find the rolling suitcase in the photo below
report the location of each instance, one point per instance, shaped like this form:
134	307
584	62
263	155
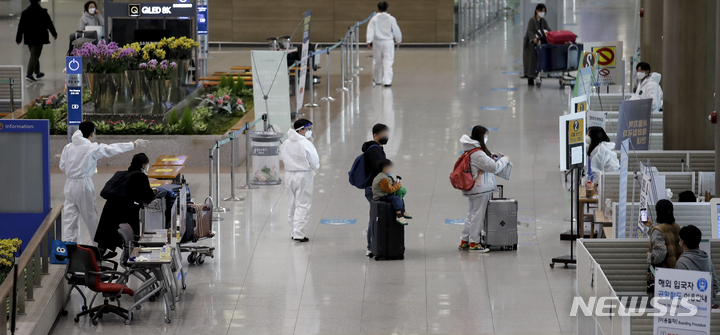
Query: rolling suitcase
501	222
560	37
544	57
388	236
202	220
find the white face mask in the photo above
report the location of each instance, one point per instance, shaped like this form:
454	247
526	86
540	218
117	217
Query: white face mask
641	75
541	14
91	10
486	139
144	170
308	134
587	139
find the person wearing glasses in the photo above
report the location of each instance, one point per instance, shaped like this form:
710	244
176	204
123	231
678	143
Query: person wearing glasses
301	160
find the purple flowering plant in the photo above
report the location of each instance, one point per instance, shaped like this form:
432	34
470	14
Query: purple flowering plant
157	70
104	57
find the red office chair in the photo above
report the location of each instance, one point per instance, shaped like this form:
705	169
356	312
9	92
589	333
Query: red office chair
94	280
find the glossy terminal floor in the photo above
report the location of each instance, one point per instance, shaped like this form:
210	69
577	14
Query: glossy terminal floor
262	283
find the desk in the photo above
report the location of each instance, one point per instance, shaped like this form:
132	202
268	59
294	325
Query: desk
159	269
599	218
171	160
584	202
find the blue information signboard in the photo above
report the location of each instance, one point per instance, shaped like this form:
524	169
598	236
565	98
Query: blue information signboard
74	87
202	24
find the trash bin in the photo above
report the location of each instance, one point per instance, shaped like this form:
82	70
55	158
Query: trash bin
266	160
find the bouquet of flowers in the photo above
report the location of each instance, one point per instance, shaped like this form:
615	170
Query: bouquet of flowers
157	70
177	48
104	57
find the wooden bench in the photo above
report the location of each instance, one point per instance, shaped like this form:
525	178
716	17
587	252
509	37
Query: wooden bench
213	81
237	68
232	74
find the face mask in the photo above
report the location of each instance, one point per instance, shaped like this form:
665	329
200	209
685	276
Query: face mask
541	14
144	170
308	134
641	75
383	140
91	10
587	139
486	139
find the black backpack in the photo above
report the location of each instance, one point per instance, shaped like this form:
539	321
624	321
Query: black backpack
115	188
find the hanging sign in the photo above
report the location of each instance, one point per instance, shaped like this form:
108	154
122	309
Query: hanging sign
304	59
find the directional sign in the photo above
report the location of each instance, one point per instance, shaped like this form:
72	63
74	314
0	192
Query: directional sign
74	67
455	221
338	222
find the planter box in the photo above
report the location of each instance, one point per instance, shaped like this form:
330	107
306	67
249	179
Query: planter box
196	146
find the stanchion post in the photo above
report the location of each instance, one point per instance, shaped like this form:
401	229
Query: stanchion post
342	68
217	208
232	196
357	50
327	80
210	191
312	86
247	185
349	55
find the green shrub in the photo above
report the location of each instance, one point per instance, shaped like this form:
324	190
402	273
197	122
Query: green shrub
122	128
157	129
174	129
61	127
239	87
186	123
173	119
102	127
139	127
223	81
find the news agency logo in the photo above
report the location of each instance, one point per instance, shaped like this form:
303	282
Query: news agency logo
634	306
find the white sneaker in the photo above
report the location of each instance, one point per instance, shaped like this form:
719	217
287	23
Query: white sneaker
368	253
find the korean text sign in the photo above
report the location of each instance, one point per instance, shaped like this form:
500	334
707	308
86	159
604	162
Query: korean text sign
634	123
691	317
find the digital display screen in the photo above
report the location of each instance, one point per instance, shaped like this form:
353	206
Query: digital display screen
21	177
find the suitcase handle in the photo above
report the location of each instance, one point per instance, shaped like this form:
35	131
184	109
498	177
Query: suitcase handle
500	190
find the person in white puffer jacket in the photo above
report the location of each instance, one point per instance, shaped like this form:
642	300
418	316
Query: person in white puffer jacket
481	162
649	86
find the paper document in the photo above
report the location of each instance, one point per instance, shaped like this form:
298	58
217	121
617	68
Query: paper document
505	173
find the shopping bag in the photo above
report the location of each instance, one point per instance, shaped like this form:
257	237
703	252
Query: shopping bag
58	251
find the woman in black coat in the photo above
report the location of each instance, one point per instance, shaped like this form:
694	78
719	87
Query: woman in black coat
126	192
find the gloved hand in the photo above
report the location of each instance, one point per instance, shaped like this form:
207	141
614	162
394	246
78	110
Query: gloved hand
141	143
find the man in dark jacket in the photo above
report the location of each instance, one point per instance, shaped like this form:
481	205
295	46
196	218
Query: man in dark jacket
374	154
33	28
695	259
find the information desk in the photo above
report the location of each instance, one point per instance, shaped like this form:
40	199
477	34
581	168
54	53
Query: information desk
161	280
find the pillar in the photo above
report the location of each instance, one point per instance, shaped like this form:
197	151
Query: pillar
651	32
717	104
688	74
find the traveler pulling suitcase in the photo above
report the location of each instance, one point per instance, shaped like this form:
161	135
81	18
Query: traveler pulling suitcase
388	236
501	222
560	37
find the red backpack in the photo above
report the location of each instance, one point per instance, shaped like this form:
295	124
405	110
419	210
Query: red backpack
461	177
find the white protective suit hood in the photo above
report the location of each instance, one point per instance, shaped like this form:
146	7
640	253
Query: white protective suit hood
604	159
298	153
654	76
650	88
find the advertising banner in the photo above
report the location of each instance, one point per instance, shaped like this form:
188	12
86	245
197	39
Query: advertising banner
270	78
634	123
685	296
609	59
304	60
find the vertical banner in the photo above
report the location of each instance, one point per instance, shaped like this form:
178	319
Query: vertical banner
688	317
73	78
270	78
304	60
622	206
634	124
609	59
202	24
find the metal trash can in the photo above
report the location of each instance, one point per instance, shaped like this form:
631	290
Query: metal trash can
266	159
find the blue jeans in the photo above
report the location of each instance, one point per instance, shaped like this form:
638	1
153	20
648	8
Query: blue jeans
396	201
369	197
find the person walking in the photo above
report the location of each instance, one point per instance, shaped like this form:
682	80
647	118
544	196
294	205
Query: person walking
79	162
536	29
91	16
483	166
381	30
373	154
301	160
33	29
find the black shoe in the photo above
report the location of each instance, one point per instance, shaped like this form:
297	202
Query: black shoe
531	81
39	75
388	85
30	78
304	239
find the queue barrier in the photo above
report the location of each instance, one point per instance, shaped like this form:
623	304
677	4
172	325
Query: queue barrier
675	161
686	213
676	181
618	268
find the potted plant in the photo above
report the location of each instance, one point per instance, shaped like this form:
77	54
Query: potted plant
105	66
178	50
139	89
157	75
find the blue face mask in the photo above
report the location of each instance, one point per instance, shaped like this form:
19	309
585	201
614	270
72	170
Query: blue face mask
389	174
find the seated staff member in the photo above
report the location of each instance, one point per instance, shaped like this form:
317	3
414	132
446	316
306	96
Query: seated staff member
126	192
602	157
695	259
648	86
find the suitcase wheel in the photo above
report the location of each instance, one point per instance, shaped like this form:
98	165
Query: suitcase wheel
514	247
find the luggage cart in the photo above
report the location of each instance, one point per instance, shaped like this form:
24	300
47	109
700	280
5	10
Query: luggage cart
198	252
556	61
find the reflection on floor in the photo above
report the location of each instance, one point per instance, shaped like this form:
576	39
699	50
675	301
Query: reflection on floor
262	283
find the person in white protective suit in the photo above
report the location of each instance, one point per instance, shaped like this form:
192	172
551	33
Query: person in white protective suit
79	162
301	160
600	149
381	30
649	86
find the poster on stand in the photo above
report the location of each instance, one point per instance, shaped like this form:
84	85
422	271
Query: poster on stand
270	77
572	132
584	82
634	123
685	297
596	119
304	59
609	59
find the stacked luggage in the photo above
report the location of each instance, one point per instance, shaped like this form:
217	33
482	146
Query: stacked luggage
388	236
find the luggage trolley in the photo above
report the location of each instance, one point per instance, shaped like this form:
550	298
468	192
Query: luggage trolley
556	61
197	252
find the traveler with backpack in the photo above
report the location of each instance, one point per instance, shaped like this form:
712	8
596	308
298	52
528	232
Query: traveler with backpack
366	168
474	174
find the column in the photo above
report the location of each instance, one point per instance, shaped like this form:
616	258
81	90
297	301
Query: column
717	103
688	76
651	32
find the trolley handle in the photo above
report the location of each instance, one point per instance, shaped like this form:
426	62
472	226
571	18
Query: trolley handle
568	55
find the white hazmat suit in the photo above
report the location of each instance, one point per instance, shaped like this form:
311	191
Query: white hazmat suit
604	159
79	162
649	88
381	30
300	158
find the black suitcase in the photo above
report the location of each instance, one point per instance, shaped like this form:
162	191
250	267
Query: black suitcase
388	236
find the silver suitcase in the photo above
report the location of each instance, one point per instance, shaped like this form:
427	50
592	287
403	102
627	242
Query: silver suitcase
153	215
501	222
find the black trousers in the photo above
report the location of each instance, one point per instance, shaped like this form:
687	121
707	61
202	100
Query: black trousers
34	62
